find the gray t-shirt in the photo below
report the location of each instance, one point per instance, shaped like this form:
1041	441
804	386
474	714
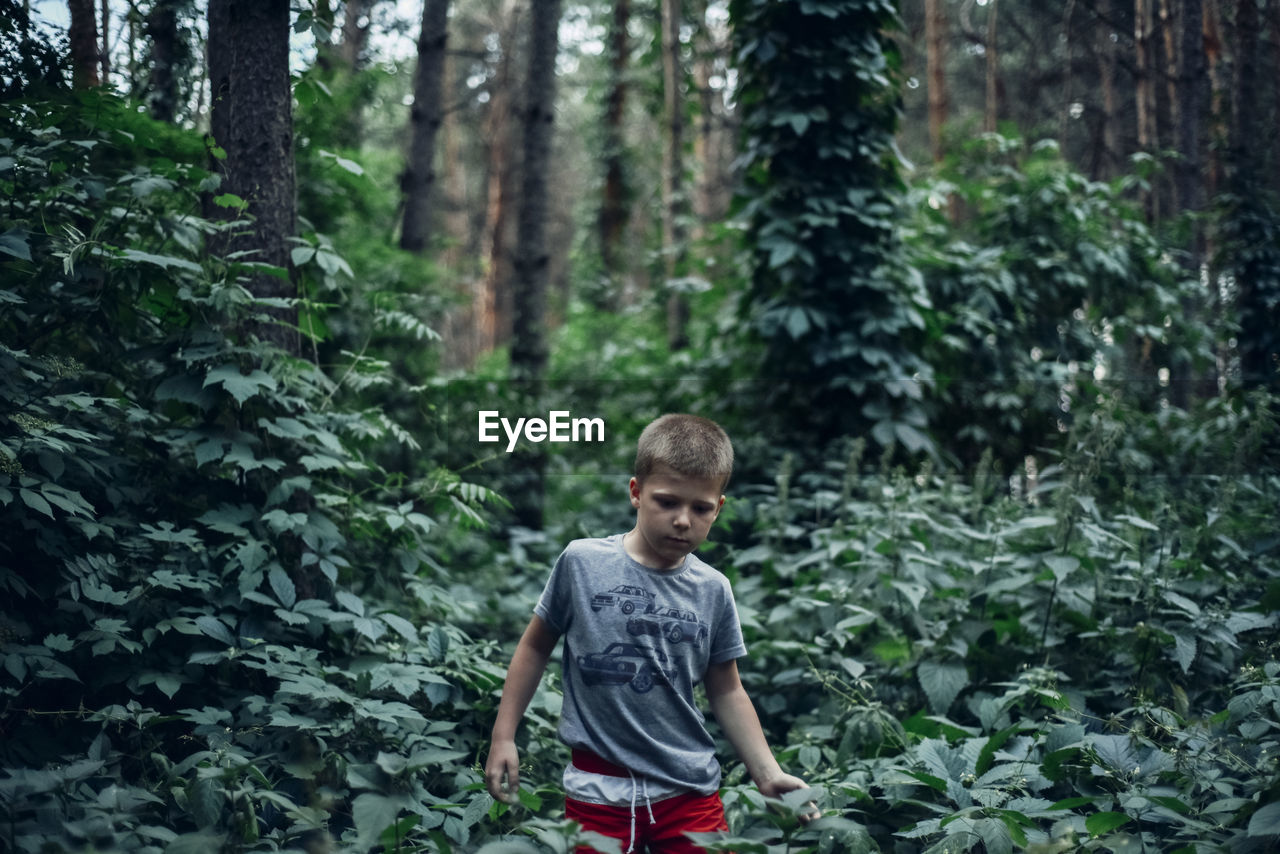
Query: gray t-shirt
636	641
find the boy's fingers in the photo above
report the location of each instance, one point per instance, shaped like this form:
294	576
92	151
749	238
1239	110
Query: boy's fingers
512	791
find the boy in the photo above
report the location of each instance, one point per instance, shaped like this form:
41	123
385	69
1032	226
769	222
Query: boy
644	620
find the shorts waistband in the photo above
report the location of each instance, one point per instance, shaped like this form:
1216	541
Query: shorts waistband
585	760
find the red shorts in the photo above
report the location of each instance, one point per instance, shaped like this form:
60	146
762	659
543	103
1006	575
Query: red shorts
663	834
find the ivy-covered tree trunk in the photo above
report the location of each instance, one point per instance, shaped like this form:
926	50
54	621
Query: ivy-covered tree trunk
425	119
834	317
252	120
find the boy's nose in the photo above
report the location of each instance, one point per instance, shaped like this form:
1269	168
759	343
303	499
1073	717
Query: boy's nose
682	519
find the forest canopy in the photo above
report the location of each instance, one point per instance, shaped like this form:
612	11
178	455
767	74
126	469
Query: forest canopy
324	327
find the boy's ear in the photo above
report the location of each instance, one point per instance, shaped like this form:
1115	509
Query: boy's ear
634	489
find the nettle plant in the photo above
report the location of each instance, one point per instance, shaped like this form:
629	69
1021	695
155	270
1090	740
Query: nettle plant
1058	666
223	627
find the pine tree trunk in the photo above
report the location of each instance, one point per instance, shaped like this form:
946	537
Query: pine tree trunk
162	30
533	254
355	35
252	120
1191	85
673	194
613	203
1106	159
494	309
425	119
532	261
991	115
1145	95
83	36
104	54
935	36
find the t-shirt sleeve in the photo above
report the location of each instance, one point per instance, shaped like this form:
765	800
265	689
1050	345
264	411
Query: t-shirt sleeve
727	643
555	605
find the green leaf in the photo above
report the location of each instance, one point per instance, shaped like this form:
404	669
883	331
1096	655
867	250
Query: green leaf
230	200
35	501
216	629
350	601
238	385
1104	822
1266	821
14	242
282	586
437	644
163	261
942	683
373	813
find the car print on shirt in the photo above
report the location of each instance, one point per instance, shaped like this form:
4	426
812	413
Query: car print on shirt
674	624
626	663
626	596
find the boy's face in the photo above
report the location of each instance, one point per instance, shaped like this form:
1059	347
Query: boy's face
674	513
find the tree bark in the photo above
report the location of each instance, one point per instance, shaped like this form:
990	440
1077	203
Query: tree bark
613	203
83	36
104	55
935	36
1109	156
532	261
425	119
355	35
1191	85
494	309
1145	94
533	254
673	193
991	115
162	88
252	120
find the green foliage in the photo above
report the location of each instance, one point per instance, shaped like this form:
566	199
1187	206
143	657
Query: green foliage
1048	294
226	603
1070	667
833	312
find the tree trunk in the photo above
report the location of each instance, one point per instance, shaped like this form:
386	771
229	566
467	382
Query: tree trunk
419	177
1145	95
494	311
1105	161
355	34
533	254
528	344
162	88
613	201
1068	97
935	36
83	35
1173	103
104	54
1191	85
673	194
252	120
991	115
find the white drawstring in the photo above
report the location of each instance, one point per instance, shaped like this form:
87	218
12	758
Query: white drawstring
647	803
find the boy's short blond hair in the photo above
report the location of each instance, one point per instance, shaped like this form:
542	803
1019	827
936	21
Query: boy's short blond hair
689	445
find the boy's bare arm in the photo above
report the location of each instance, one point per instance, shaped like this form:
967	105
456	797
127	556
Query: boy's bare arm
502	770
741	725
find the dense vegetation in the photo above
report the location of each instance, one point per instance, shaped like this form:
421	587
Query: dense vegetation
256	600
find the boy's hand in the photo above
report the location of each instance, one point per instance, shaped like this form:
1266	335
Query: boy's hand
778	786
502	772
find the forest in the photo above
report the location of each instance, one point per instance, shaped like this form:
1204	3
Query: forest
325	325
